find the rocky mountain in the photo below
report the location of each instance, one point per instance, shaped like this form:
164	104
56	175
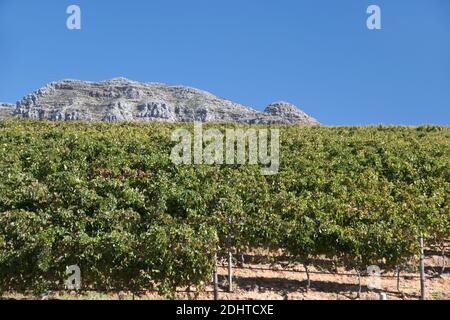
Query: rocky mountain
125	100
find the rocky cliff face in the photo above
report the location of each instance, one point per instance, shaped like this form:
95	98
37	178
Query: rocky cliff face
124	100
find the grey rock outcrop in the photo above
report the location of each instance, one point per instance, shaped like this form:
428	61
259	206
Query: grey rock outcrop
6	110
125	100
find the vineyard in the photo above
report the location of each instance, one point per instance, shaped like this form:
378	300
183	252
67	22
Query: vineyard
108	198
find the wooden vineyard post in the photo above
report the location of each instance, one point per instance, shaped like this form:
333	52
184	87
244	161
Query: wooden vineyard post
230	258
216	279
422	270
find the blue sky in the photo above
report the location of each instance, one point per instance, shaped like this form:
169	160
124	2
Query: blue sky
317	54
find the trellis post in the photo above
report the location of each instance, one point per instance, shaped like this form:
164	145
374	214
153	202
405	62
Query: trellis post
230	257
422	270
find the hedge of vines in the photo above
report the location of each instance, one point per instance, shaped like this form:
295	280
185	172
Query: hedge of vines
107	197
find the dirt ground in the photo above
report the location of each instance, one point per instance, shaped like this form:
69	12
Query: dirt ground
263	278
276	285
255	281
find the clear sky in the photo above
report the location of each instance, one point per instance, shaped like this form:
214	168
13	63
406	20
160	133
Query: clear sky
317	54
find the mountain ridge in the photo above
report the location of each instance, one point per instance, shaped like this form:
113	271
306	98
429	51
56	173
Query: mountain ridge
121	99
